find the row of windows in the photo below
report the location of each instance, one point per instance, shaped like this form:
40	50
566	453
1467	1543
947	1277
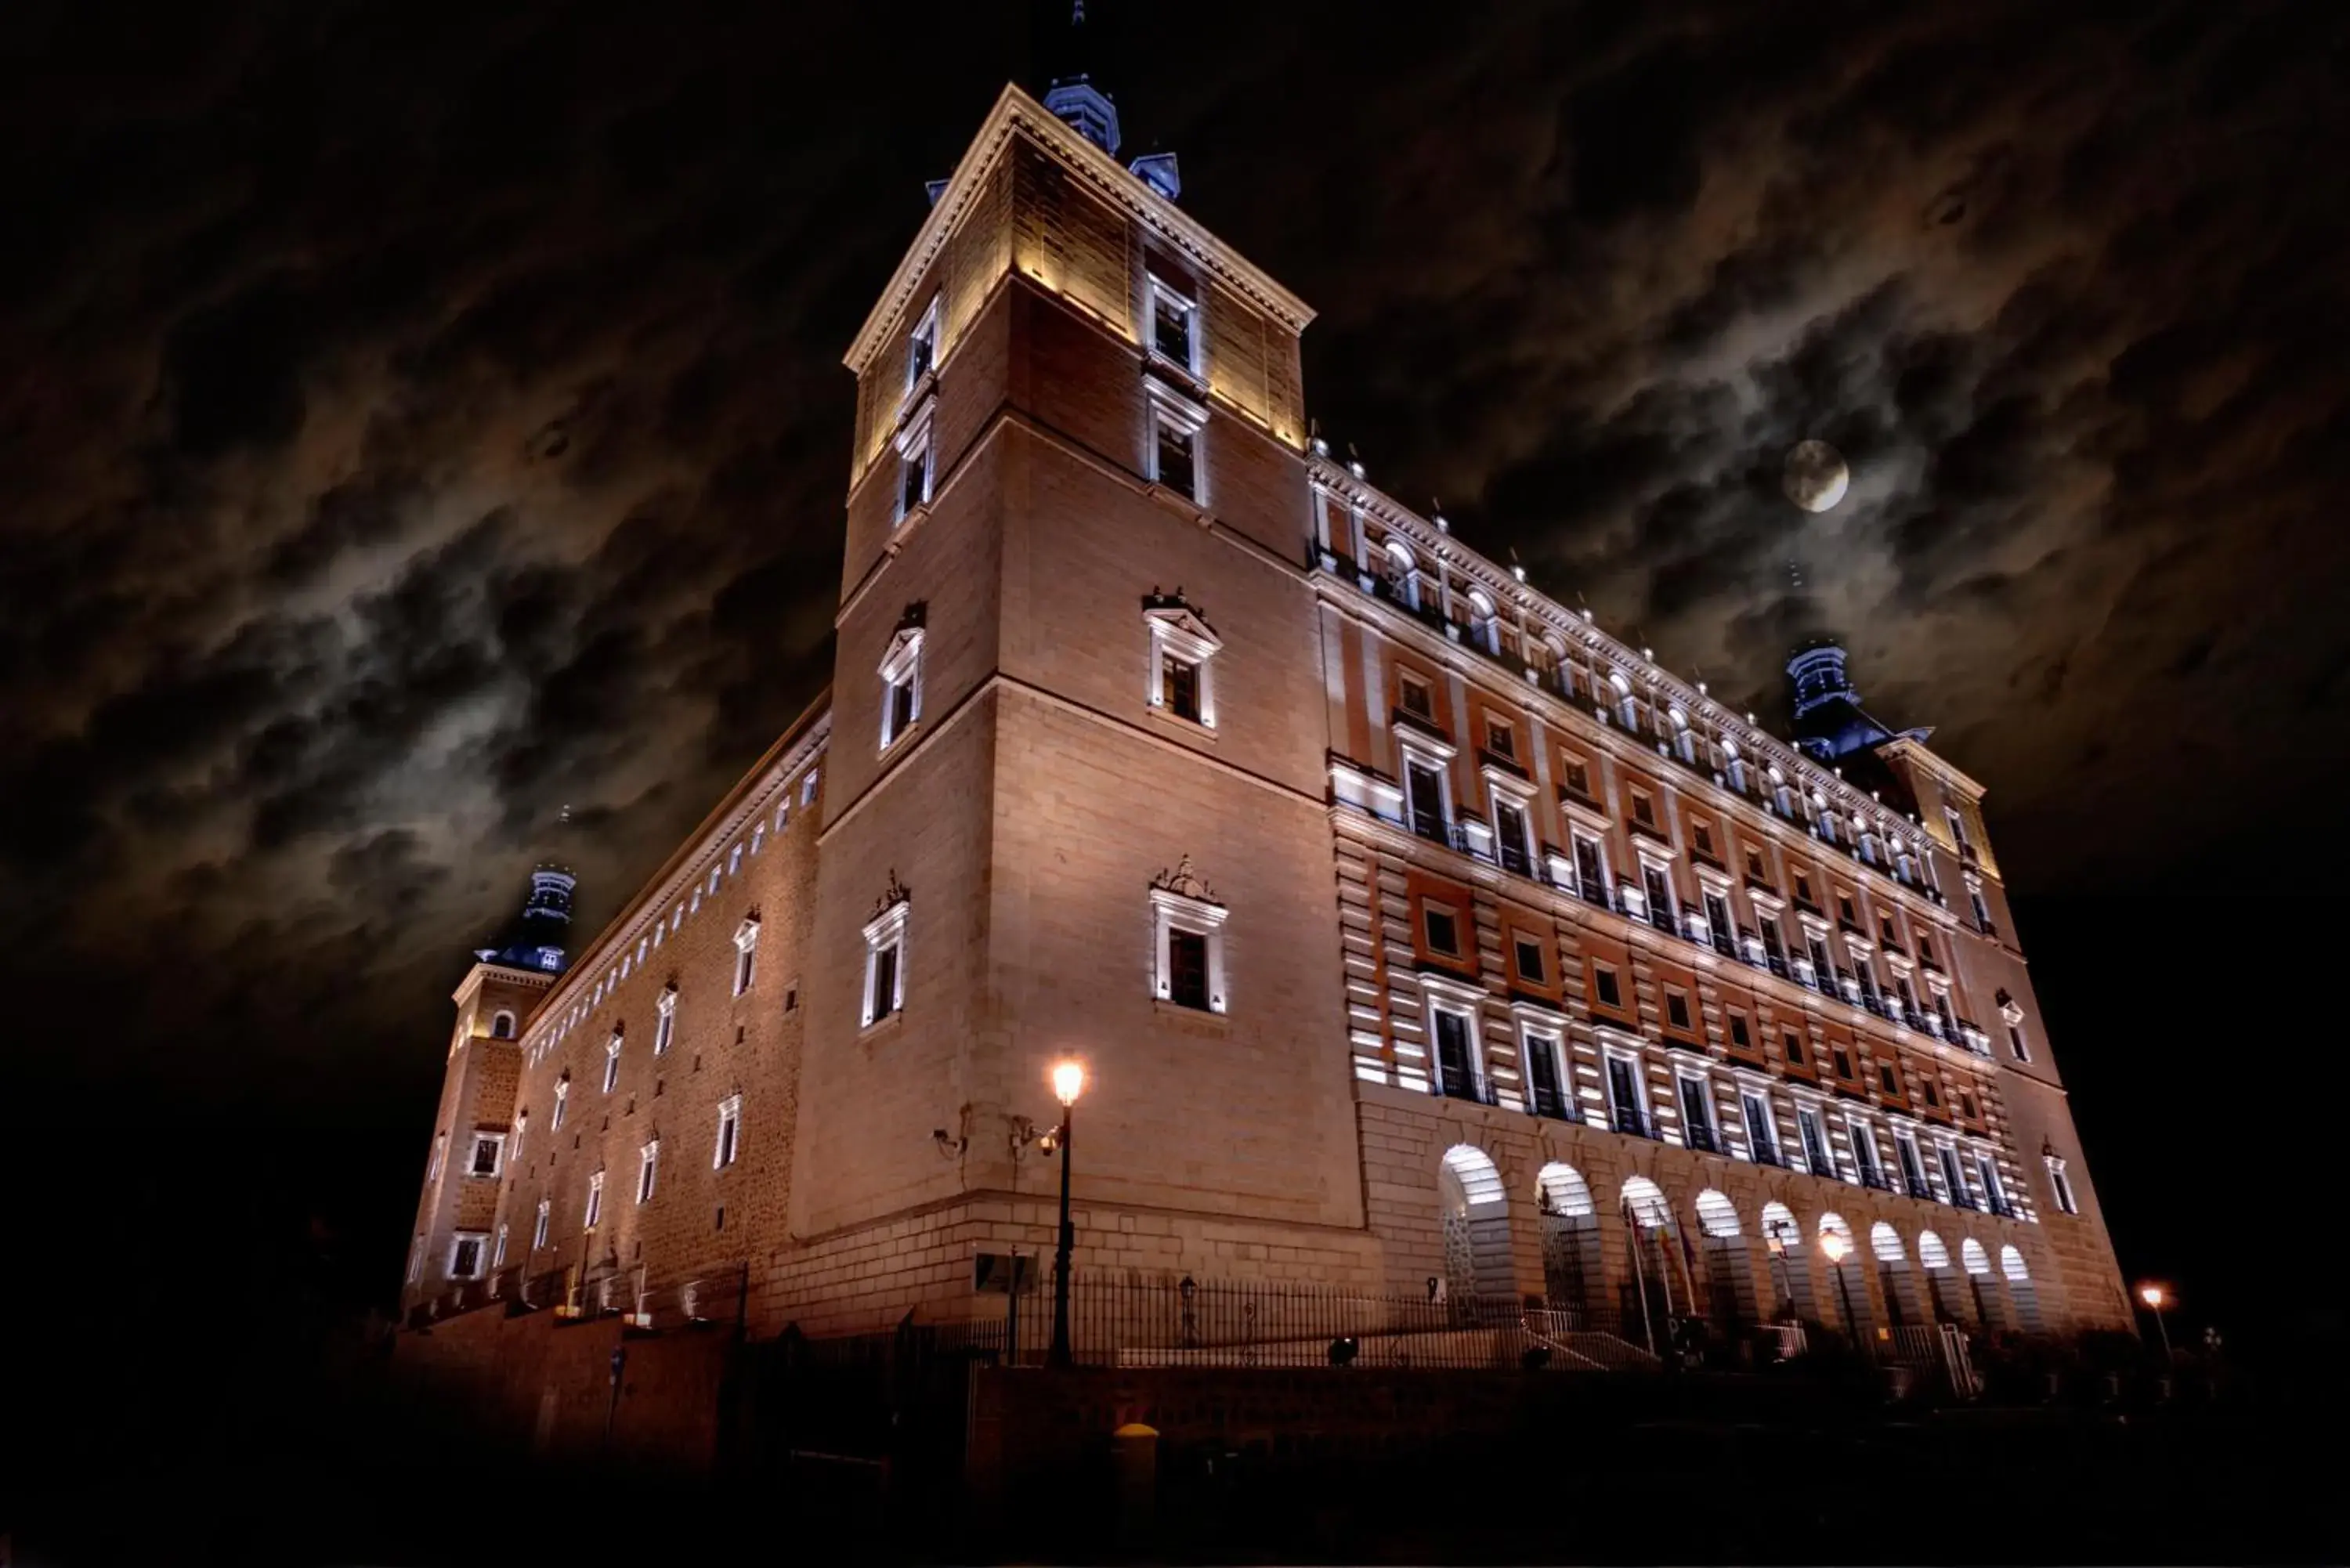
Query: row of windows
1964	1175
721	870
1177	417
470	1251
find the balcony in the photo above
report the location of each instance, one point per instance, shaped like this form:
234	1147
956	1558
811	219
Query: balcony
1490	758
1919	1188
1962	1199
1546	1101
1516	860
1424	722
1874	1178
1700	1138
1474	1090
1628	1120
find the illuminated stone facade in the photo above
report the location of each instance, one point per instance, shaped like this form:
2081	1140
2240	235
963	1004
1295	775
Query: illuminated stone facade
1411	929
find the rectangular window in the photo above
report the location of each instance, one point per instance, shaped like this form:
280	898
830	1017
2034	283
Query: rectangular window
648	1170
1994	1191
914	475
923	345
1176	459
1531	967
1659	890
730	1132
562	1104
1425	786
1982	908
1187	962
1443	928
594	1198
1501	740
1542	1053
897	715
1741	1038
1677	1008
1864	1151
1913	1165
1761	1133
1803	891
1697	1114
1717	923
487	1147
1590	868
2015	1044
1607	987
440	1154
1578	777
1624	1097
538	1226
1416	698
498	1255
465	1255
1644	808
1179	687
1791	1042
746	965
665	1017
1701	841
1775	946
1953	1177
2061	1186
1816	1142
1510	834
612	1064
883	992
1174	327
1456	1071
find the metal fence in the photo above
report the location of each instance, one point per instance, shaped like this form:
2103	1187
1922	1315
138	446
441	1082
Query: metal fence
1145	1322
570	1292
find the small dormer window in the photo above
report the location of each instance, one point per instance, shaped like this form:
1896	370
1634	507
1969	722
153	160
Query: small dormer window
1174	328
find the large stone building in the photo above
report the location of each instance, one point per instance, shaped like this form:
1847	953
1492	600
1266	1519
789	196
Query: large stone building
1416	935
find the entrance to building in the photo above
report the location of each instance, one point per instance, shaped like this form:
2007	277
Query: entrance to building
1572	1262
1476	1216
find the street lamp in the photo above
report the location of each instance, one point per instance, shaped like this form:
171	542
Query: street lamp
2154	1296
1068	1083
1834	1245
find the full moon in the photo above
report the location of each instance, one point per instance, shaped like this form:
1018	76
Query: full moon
1815	477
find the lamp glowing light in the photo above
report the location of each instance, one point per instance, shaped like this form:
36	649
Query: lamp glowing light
1834	1246
1068	1082
2152	1296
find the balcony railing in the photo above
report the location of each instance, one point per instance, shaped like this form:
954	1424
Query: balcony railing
1919	1188
1475	1090
1629	1122
1700	1138
1874	1177
1768	1154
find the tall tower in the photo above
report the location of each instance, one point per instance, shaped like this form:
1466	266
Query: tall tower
1070	810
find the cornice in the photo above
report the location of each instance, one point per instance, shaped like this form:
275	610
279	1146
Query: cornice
1018	113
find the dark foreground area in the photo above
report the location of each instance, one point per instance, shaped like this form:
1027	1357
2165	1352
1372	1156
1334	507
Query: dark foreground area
196	1458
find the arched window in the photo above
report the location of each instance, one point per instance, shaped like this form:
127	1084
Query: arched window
1480	1182
502	1026
1716	1216
1783	799
1972	1256
1733	766
1627	709
1402	576
1684	738
1931	1253
1475	1216
1572	1262
1644	1201
2011	1263
1564	1191
1886	1242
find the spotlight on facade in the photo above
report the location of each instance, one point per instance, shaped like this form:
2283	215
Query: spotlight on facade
1068	1082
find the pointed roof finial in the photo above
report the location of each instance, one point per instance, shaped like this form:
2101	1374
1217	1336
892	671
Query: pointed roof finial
1074	98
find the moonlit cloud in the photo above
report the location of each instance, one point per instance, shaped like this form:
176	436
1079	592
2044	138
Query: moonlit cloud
415	426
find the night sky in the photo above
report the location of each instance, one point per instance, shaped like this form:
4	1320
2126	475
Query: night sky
415	419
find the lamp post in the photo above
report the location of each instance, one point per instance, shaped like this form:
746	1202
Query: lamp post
1836	1247
1068	1083
2154	1296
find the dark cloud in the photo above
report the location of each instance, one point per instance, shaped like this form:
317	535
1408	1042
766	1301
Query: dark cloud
417	422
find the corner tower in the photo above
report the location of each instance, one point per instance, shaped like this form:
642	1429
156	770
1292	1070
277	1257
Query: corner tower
1074	643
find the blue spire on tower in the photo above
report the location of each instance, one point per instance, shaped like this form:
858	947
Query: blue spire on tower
1075	99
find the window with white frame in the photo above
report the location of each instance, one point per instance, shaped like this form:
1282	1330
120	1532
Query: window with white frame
502	1026
1513	844
923	345
1174	327
1817	1160
1183	648
539	1223
807	788
885	962
498	1253
594	1198
1453	1042
1176	423
746	954
665	1013
1762	1127
1187	939
1626	1094
1590	865
489	1151
1542	1051
612	1062
466	1251
901	680
1913	1164
1994	1190
521	1125
2016	1044
730	1132
416	1260
1697	1112
2061	1185
647	1169
1953	1175
1426	795
1864	1150
917	462
440	1157
562	1103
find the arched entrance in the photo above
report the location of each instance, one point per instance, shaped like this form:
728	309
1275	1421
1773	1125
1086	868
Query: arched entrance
1728	1266
1573	1265
1893	1277
1848	1286
2019	1286
1791	1264
1943	1299
1656	1283
1476	1212
1988	1310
